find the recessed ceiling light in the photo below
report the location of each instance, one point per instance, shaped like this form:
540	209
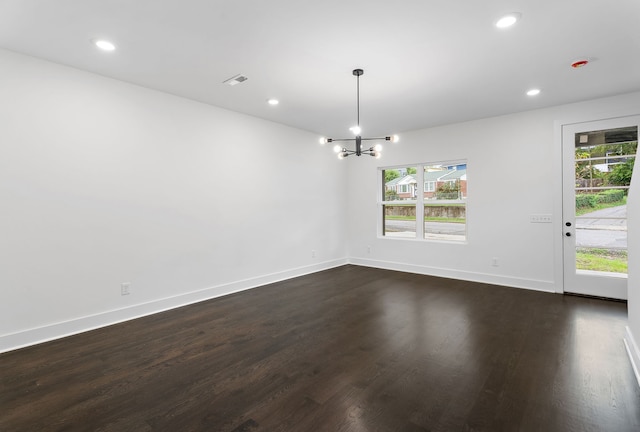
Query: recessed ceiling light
104	45
508	20
533	92
273	101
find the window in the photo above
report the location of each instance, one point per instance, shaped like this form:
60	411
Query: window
604	162
398	202
445	211
441	203
429	186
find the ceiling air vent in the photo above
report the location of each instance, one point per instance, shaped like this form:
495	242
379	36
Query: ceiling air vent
235	80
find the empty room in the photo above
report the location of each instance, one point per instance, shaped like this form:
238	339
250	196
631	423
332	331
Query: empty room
319	216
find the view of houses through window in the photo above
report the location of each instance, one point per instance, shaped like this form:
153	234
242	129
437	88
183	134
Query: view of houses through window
435	194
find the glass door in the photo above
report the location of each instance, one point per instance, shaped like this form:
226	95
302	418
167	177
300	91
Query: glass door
598	160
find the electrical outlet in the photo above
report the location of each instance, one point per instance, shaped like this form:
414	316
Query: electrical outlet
368	249
125	288
313	254
494	262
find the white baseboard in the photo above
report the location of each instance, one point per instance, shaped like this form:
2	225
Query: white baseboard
633	351
59	330
532	284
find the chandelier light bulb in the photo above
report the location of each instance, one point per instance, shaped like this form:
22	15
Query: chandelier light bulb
323	141
337	148
377	148
377	155
340	155
356	130
395	138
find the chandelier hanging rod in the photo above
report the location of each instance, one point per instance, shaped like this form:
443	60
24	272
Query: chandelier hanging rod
358	73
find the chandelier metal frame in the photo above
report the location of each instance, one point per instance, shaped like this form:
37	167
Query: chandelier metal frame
375	150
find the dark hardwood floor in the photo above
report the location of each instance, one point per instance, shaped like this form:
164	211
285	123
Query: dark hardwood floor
348	349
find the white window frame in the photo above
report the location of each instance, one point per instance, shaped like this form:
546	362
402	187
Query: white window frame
418	201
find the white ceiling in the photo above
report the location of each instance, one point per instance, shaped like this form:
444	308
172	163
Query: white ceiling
426	62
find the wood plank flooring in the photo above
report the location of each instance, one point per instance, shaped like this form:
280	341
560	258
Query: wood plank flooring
347	349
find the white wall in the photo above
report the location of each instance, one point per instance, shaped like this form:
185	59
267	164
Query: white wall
102	182
632	337
514	170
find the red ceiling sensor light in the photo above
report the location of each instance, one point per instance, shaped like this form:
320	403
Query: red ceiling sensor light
579	63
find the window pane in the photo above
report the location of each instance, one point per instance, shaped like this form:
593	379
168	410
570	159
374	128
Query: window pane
445	204
445	222
400	184
604	163
399	218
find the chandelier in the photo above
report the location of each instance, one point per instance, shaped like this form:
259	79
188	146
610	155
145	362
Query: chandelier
373	150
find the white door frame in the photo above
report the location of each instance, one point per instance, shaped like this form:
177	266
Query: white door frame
599	284
626	108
